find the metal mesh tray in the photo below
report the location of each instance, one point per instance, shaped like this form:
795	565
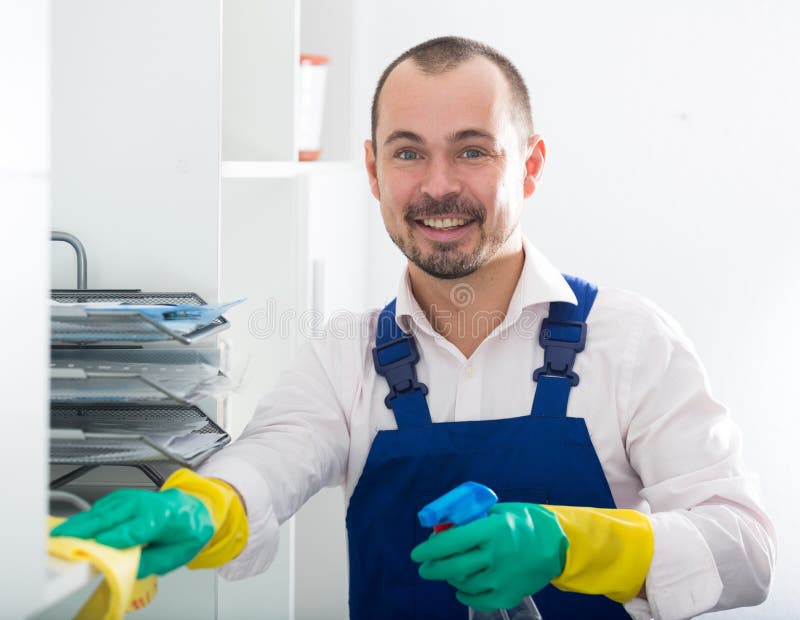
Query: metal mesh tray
95	326
127	435
138	376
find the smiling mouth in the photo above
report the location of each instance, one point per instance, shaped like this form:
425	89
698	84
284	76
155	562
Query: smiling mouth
448	223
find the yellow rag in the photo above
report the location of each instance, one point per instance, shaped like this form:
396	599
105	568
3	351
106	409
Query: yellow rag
119	592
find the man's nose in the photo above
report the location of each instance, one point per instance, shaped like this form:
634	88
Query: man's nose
441	179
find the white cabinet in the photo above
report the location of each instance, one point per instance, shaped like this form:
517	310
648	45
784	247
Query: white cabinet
24	203
135	175
174	161
292	245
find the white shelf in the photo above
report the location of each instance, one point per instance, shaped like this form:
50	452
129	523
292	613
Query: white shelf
262	42
281	169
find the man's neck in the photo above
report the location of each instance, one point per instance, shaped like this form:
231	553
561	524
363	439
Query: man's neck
466	310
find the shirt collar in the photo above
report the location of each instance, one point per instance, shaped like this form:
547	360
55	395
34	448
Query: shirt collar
540	282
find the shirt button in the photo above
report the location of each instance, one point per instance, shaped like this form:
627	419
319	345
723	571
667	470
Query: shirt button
468	370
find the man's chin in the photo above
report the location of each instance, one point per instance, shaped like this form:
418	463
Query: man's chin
447	271
449	276
443	260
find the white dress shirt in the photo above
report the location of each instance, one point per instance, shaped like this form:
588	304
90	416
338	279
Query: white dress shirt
667	448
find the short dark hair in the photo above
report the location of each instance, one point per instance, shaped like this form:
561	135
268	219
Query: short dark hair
443	54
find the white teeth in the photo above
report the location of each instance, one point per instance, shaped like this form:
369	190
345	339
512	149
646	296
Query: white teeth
444	223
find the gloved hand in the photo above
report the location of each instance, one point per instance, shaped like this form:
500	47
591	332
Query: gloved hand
496	561
174	525
188	515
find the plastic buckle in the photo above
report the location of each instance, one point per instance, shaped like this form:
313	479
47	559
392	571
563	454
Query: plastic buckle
400	373
559	355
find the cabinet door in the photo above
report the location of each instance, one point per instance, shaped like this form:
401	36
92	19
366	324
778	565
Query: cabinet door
294	247
335	199
265	596
263	259
336	227
24	200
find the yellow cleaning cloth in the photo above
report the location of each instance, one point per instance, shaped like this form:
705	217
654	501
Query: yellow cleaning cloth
120	592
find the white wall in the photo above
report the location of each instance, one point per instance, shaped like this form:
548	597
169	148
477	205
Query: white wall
24	275
136	100
674	149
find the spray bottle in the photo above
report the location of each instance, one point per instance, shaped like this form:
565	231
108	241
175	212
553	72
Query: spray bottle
465	503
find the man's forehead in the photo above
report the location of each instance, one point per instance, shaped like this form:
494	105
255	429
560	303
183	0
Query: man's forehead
475	93
477	68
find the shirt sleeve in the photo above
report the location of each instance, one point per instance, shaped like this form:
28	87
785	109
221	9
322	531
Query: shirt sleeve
714	544
296	443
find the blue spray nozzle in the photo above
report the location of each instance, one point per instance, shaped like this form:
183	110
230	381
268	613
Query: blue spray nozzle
465	503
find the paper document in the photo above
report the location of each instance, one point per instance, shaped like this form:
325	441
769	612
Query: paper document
178	318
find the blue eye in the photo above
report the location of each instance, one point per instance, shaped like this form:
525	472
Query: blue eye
472	153
407	155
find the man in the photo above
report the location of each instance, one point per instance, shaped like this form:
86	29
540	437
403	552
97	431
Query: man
621	482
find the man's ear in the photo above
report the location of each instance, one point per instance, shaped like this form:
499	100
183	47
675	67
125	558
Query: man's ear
372	170
535	155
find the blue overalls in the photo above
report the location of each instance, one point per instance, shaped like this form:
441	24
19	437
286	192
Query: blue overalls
544	458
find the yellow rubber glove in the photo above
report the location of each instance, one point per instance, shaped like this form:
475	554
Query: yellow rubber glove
229	517
609	552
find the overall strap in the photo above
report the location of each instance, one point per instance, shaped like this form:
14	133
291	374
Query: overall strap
563	335
395	356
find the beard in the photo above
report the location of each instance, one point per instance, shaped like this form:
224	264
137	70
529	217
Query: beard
446	261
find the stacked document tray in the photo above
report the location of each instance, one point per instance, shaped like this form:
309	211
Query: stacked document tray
131	376
116	400
74	324
99	435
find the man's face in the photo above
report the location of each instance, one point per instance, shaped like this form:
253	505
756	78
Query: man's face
451	170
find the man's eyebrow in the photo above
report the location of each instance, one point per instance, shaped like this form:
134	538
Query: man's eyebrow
466	134
458	136
404	135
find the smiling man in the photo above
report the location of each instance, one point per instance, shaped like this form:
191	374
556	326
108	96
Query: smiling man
451	159
623	491
449	188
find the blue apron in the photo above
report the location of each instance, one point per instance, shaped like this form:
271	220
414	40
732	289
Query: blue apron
544	458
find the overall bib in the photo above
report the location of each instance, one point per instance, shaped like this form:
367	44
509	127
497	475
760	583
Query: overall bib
544	458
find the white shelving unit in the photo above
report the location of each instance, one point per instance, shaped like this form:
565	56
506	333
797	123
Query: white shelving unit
135	175
292	237
174	161
262	42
